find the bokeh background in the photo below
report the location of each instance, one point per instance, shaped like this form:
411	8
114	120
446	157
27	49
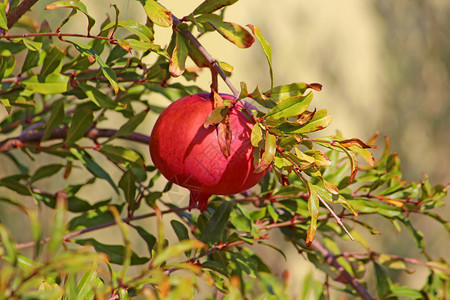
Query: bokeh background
384	66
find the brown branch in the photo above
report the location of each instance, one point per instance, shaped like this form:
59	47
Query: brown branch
213	64
19	11
61	133
331	260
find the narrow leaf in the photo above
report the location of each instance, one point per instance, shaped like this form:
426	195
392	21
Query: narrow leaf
128	185
107	71
176	250
130	125
3	19
290	107
122	155
216	116
179	55
56	117
46	171
217	223
92	166
269	152
74	4
313	209
54	83
81	121
266	48
210	6
235	33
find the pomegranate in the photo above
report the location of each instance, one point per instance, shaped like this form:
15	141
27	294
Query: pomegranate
188	154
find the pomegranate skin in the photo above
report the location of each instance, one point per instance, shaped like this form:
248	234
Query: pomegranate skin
189	155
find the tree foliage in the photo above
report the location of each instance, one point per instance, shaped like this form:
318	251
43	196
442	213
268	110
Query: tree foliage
61	90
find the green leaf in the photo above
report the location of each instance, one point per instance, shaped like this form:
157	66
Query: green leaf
142	31
216	116
13	183
100	99
217	223
406	292
148	238
8	246
130	125
269	152
176	250
92	166
196	55
56	117
107	71
315	125
291	90
235	33
179	55
256	137
382	280
32	45
266	48
84	286
290	107
52	61
81	121
88	219
180	230
46	171
210	6
59	228
128	185
158	14
313	209
3	19
114	252
122	155
54	83
76	5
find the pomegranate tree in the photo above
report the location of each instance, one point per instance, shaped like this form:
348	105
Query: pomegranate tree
189	154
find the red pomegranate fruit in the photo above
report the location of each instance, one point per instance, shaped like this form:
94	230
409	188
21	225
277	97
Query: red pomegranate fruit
188	154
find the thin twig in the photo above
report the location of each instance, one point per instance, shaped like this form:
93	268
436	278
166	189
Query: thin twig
338	220
330	259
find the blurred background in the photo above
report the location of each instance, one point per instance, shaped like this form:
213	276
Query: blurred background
384	67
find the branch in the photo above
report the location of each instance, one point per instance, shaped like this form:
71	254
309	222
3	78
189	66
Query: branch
212	62
18	12
61	133
330	259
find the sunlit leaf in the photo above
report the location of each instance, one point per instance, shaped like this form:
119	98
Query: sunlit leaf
54	83
158	14
179	55
266	48
235	33
176	250
290	107
74	4
270	149
210	6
